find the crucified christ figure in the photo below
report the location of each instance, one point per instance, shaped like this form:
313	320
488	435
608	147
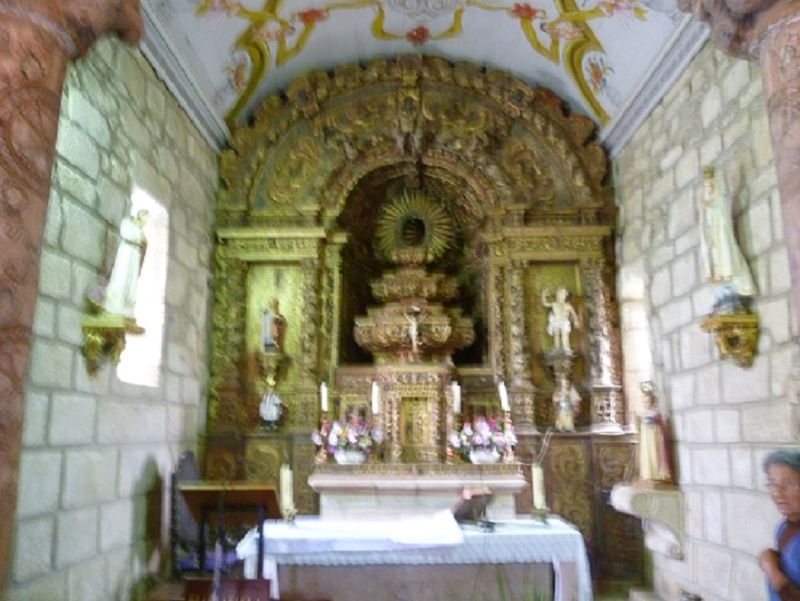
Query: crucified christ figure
414	317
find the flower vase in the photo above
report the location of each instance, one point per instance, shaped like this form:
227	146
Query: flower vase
349	457
484	456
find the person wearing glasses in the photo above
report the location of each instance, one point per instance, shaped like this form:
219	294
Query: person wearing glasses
781	565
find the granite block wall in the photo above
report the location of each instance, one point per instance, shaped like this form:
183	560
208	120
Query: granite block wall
725	418
97	452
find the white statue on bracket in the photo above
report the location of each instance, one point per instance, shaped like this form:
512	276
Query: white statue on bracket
123	283
723	261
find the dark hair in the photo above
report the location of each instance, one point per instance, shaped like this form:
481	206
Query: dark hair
787	457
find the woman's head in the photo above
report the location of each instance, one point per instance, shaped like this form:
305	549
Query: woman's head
783	481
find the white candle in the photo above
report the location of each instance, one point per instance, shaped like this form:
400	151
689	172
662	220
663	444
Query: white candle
501	390
323	396
456	397
376	398
537	482
287	492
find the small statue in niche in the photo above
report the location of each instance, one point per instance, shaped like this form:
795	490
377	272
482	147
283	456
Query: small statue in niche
119	296
724	262
561	318
654	462
566	403
414	317
273	327
271	408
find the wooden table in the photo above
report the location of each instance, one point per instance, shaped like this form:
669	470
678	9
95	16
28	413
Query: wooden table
227	498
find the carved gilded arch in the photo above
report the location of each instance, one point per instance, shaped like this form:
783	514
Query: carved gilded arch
512	144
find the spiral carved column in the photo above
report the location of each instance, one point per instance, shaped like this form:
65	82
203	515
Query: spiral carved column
604	348
37	40
522	388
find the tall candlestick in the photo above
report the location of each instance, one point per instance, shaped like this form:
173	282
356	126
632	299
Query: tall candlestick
537	481
501	390
456	397
287	490
376	398
323	397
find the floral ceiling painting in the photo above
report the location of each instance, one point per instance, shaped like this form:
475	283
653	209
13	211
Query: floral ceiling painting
593	53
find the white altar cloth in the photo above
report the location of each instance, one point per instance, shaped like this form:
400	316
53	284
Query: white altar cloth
314	541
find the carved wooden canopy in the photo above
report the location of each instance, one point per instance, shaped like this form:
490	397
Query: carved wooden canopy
496	150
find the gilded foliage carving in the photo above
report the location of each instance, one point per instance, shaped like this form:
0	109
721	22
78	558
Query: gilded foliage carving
604	342
570	465
311	304
496	320
305	499
297	151
518	341
263	461
227	339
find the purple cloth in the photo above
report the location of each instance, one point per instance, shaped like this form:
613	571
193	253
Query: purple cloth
789	561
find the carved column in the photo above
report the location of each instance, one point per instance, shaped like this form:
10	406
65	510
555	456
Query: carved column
519	359
309	344
227	383
331	314
37	40
494	303
604	348
769	30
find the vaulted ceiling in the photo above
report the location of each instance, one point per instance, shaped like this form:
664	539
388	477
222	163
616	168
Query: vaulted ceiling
608	59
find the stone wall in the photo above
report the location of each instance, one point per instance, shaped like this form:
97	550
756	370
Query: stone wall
725	418
97	452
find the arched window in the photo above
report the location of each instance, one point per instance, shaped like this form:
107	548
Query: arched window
140	362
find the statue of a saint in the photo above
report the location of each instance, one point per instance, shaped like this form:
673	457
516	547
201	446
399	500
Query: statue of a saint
270	408
566	403
120	293
561	319
654	462
414	317
723	260
273	327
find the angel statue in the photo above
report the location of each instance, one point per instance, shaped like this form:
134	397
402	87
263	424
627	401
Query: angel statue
561	319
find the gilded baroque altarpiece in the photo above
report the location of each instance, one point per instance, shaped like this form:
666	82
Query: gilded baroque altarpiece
524	190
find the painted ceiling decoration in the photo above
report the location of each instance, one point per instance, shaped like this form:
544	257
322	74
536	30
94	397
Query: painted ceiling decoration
595	54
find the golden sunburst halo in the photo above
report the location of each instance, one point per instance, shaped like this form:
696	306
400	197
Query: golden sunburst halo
412	221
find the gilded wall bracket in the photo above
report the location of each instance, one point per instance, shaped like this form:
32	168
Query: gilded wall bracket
104	338
736	336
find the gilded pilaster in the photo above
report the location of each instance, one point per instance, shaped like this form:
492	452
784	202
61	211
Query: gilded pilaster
495	295
604	346
521	388
227	340
331	301
311	306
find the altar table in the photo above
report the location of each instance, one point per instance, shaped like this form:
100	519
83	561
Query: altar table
515	560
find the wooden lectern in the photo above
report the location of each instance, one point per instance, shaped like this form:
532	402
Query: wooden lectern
228	498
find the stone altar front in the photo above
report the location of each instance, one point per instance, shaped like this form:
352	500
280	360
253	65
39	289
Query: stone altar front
412	489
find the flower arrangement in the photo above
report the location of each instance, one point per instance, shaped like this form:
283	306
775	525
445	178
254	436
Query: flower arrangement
485	435
355	434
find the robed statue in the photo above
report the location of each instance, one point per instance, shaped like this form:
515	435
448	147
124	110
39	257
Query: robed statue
273	327
654	458
724	262
123	283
